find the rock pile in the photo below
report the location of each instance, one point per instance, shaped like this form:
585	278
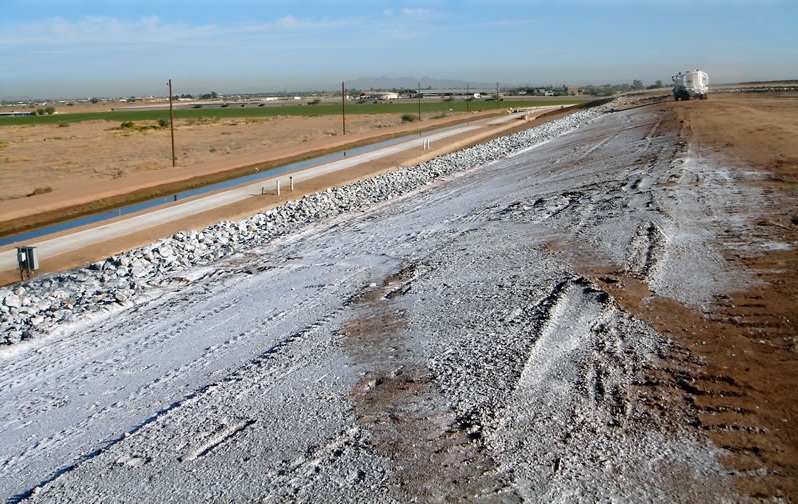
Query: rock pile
35	307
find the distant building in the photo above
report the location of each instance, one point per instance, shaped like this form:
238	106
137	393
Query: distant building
379	95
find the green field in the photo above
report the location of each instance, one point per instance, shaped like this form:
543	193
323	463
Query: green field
236	111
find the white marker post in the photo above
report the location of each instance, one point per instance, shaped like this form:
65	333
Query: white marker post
278	188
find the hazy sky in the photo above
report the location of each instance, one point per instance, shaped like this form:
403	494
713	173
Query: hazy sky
72	48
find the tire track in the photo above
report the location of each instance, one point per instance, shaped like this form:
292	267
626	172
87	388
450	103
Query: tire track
273	366
436	454
646	250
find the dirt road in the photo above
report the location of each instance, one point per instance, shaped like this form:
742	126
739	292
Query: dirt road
733	368
607	316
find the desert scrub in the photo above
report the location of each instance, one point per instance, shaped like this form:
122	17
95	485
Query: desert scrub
41	190
409	118
131	126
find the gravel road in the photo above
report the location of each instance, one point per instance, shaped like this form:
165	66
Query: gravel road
428	344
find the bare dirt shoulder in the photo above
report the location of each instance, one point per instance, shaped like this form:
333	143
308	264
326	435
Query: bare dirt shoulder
732	370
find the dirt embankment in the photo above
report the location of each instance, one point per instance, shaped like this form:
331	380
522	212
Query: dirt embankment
89	188
733	369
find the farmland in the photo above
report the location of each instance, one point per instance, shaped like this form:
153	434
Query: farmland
244	110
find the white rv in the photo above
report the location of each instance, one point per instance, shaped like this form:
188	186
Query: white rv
690	84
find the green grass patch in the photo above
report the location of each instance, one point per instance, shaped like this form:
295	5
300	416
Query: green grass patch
407	107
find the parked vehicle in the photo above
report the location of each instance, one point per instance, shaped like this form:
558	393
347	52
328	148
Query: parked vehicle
690	84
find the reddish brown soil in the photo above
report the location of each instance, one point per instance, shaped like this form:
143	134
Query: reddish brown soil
732	371
398	401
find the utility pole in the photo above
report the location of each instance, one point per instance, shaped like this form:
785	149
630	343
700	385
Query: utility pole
172	123
468	98
343	104
497	96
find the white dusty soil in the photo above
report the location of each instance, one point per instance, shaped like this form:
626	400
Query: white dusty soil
441	346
